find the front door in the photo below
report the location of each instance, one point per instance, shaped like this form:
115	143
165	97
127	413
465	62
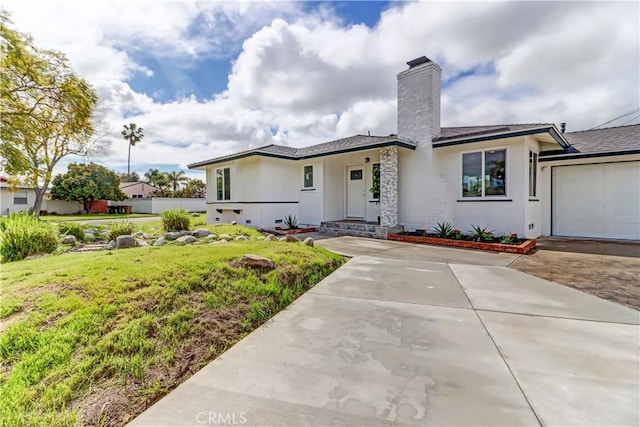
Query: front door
355	192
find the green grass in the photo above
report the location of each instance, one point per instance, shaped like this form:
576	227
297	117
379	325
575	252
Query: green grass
155	228
90	217
92	338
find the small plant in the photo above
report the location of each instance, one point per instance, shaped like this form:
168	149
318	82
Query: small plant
290	222
457	234
72	229
509	239
122	228
175	220
481	234
443	230
23	234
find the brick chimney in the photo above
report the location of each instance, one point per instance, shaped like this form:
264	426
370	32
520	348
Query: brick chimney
419	100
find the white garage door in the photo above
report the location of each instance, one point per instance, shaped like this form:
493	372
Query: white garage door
599	200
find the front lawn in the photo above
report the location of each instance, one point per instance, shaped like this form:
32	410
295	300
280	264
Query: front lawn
95	338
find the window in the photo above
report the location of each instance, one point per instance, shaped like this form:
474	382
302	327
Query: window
308	176
223	184
375	181
484	173
533	173
20	197
356	175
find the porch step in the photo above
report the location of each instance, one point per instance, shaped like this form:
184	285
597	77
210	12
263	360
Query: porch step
357	229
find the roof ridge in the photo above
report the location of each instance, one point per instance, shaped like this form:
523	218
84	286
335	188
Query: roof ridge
611	127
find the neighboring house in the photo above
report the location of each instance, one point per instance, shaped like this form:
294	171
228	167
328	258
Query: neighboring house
138	190
16	199
529	179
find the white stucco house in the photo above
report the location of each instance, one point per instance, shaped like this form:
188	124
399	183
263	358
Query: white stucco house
529	179
15	198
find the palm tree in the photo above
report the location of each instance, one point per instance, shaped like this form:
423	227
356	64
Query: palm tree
133	134
156	178
175	179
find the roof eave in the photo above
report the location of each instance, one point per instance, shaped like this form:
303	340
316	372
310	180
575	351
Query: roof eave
570	156
551	130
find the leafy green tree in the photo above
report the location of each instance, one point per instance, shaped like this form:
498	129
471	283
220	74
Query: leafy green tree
86	183
133	134
175	179
129	177
195	188
157	178
47	110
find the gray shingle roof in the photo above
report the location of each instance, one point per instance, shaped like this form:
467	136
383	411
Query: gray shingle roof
447	133
337	146
607	140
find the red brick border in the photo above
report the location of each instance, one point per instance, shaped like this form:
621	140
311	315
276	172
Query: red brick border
522	248
285	232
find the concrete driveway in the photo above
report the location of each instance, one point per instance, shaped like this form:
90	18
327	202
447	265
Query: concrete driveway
392	340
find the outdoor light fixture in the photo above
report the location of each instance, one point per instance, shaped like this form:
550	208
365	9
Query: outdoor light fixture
366	160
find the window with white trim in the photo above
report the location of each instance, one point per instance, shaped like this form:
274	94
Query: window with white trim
533	173
484	173
308	176
20	197
223	184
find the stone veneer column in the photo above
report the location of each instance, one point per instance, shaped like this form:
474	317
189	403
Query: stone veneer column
389	186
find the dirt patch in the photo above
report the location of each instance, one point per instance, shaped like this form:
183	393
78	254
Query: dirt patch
615	278
115	404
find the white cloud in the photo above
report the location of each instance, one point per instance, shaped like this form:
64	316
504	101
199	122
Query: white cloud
308	78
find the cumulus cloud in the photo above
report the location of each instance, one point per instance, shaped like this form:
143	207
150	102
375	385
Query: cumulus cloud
301	77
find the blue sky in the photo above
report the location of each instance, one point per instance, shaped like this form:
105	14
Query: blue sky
210	78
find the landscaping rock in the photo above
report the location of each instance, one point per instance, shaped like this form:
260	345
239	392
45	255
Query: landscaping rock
233	223
138	234
69	240
124	242
186	239
242	238
202	232
141	243
225	237
289	238
308	241
89	237
257	261
195	214
223	241
91	231
210	237
174	235
161	241
271	237
111	245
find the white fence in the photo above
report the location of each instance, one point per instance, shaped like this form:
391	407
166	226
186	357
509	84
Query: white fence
157	205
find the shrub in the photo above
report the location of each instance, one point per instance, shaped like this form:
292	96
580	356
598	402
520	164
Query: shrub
443	230
123	228
23	234
290	222
72	229
481	234
175	220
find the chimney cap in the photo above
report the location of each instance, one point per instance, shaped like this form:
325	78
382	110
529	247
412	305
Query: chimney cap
418	61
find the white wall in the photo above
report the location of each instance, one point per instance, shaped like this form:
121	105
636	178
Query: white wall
61	207
157	205
6	201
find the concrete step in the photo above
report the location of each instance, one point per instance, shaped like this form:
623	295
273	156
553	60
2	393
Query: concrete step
346	232
357	226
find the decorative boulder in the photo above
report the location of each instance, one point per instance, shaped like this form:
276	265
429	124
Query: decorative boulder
195	214
202	232
111	245
242	238
233	223
138	234
223	241
141	243
289	238
89	237
186	239
210	237
91	231
224	236
257	261
174	235
271	237
161	241
69	240
124	242
308	241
